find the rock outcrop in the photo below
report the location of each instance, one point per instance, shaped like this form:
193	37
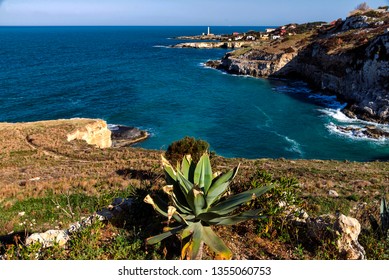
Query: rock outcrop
358	76
347	58
94	133
211	45
341	229
255	63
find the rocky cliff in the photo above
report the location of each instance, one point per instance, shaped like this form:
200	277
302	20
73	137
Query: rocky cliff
348	58
94	132
211	45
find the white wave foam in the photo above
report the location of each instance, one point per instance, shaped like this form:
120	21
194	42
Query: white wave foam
338	115
113	127
353	132
162	46
269	120
295	146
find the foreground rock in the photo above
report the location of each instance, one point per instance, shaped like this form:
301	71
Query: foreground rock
61	237
341	229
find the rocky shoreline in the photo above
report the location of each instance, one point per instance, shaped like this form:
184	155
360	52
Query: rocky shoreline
348	58
123	136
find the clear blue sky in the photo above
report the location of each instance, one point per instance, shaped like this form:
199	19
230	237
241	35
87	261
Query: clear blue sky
174	12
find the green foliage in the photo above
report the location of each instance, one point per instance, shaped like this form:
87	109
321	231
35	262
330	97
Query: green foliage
197	201
276	204
186	146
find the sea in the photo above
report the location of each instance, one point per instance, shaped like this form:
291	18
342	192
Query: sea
131	76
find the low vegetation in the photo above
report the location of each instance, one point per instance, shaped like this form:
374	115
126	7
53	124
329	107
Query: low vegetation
44	188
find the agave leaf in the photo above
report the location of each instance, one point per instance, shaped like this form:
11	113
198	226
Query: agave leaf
181	206
186	233
158	238
170	173
196	200
235	219
195	243
220	186
203	173
233	202
185	184
157	205
207	216
171	210
168	189
188	167
383	206
216	244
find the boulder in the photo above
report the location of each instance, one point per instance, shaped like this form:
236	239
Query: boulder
355	22
94	133
340	228
348	230
49	238
332	193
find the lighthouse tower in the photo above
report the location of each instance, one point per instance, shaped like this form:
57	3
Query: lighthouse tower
209	31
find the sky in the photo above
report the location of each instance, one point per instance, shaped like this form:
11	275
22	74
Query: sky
174	12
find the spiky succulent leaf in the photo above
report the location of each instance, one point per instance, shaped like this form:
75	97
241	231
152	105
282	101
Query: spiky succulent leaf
203	173
384	215
158	205
158	238
184	183
170	173
196	200
195	243
233	202
216	244
235	219
220	186
188	167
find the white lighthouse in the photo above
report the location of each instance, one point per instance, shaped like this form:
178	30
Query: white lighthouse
209	31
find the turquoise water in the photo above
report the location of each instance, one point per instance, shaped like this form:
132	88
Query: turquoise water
129	75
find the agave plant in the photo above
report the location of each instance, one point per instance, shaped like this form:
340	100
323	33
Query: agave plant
199	200
384	217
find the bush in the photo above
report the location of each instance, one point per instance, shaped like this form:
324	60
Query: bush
186	146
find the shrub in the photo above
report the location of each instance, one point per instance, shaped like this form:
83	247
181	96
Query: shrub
198	201
186	146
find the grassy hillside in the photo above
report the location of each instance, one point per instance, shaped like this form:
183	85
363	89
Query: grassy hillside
48	183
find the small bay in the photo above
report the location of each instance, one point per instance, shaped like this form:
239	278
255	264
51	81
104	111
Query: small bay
130	76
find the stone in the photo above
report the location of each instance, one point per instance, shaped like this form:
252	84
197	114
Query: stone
348	230
333	193
94	133
123	136
355	22
343	230
49	238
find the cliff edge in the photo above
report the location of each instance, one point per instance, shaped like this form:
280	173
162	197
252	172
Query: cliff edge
348	58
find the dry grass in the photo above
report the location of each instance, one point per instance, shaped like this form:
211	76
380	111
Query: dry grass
52	165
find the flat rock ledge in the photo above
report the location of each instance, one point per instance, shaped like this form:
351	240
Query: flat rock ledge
123	136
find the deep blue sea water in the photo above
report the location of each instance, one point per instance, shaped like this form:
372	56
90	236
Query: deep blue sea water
129	75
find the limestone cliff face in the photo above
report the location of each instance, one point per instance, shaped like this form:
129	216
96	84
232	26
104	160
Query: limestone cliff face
349	59
358	76
211	45
95	133
255	63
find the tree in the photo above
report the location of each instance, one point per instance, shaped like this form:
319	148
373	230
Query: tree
362	7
